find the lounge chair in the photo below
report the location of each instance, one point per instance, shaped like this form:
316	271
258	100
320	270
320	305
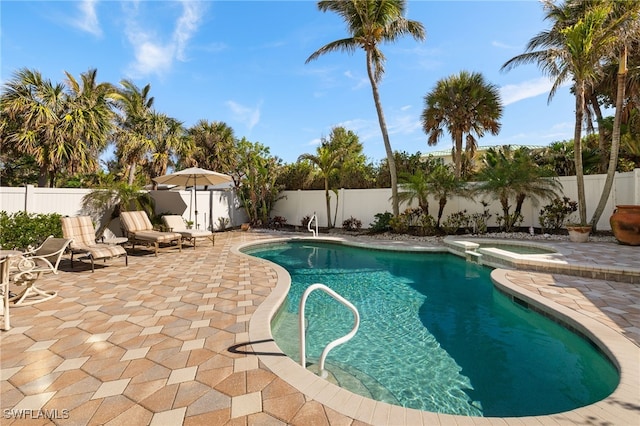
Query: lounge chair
138	228
175	223
33	264
81	230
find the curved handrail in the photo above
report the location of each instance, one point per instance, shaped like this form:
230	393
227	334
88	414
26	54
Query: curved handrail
333	344
313	218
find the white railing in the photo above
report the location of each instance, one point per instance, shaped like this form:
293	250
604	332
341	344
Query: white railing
314	218
303	351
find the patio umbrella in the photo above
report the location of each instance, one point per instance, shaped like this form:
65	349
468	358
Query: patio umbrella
193	176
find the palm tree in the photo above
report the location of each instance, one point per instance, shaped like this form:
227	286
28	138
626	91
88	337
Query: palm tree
35	106
572	49
467	107
415	186
512	175
328	161
625	24
214	145
105	204
168	138
369	23
90	121
444	184
132	137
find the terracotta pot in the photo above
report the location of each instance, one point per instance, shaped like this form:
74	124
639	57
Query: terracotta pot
579	234
625	224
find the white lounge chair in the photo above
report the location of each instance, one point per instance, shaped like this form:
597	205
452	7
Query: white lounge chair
176	223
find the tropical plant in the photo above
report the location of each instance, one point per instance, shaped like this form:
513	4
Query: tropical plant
214	147
60	128
132	136
105	204
466	106
352	224
331	155
511	175
443	184
167	139
255	178
381	222
455	222
553	215
582	34
415	187
369	24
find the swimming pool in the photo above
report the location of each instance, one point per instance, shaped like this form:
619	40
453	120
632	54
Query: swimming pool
489	357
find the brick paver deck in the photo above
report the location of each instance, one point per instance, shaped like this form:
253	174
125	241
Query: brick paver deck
174	339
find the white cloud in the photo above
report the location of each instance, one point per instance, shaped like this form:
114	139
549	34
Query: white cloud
512	93
88	19
152	55
248	116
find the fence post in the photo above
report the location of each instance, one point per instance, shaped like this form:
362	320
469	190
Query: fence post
28	198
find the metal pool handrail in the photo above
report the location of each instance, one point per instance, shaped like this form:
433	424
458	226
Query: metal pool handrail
313	218
303	357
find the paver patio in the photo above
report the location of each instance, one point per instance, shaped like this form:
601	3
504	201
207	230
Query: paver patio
166	341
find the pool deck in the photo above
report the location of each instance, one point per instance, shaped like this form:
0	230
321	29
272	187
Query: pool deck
183	338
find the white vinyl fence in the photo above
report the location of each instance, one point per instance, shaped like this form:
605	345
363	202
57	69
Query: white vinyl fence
362	204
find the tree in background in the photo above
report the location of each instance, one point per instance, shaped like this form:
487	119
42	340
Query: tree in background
466	106
214	147
369	24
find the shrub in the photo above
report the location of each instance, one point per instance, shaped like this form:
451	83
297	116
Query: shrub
552	216
382	222
352	224
21	230
455	222
223	222
305	221
277	222
478	221
509	222
399	224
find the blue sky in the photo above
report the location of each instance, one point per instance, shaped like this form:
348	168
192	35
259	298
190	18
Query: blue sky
243	63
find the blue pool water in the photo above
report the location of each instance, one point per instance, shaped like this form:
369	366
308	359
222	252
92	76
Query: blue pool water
435	335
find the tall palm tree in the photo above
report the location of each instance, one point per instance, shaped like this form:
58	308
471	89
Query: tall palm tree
572	49
132	137
466	106
625	25
370	23
444	184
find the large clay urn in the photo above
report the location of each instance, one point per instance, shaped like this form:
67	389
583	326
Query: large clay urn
625	224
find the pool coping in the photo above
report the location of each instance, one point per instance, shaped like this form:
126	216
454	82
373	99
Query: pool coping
621	407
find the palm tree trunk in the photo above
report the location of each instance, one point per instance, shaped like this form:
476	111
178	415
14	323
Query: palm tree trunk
328	200
385	137
458	153
615	140
132	172
577	143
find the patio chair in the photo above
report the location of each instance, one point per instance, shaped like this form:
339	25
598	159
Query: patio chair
138	228
81	230
35	263
175	223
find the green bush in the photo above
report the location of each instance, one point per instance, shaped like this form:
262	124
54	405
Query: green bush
382	222
21	230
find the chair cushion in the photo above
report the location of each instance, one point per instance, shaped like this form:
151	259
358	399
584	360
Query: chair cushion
100	251
80	229
135	221
157	236
174	222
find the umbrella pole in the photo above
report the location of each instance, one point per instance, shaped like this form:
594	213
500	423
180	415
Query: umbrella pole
195	194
